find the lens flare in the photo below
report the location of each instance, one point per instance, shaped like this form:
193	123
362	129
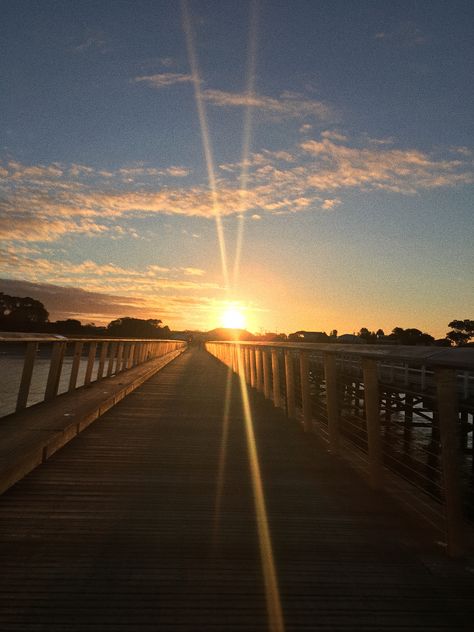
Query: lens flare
272	592
244	175
206	139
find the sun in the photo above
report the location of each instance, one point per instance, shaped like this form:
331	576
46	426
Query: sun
233	318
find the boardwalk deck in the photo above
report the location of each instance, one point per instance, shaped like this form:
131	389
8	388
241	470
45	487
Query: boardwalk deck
128	528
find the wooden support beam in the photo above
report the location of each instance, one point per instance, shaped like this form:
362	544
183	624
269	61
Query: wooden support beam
332	403
446	401
276	379
305	392
290	385
372	415
267	387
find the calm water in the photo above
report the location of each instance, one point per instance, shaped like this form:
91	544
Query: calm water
11	367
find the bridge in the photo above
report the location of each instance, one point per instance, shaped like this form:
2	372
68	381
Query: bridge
239	486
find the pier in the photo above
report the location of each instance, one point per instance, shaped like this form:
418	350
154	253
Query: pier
239	487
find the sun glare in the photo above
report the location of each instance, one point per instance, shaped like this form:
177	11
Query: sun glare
233	318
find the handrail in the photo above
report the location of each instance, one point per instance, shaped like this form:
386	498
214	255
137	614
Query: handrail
55	364
405	413
462	357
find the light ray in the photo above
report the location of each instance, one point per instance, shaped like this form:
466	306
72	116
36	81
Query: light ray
206	141
272	592
247	132
222	459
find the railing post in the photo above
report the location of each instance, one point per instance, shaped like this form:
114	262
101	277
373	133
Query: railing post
55	367
276	379
446	399
76	361
112	354
372	415
103	355
266	374
258	361
330	375
90	363
253	368
305	393
118	365
27	373
290	385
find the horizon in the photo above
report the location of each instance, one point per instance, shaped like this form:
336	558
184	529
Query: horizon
297	166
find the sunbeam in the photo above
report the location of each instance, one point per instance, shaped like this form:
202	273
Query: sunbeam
272	593
206	141
222	459
247	132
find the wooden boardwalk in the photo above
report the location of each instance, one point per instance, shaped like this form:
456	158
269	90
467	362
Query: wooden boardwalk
146	522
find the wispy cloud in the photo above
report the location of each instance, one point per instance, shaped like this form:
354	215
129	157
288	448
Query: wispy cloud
164	79
42	203
405	34
93	40
286	105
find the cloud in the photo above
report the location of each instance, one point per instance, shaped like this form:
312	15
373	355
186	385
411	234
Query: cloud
405	34
100	307
43	203
164	79
403	171
94	40
287	105
193	271
328	205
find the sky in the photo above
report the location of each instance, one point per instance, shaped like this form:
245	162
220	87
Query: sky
309	163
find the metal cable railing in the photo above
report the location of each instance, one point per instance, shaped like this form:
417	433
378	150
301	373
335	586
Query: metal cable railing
404	414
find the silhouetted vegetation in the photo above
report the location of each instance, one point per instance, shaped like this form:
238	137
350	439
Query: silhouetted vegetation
21	312
462	331
27	314
127	327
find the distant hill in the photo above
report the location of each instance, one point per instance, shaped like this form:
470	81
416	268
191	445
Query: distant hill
224	333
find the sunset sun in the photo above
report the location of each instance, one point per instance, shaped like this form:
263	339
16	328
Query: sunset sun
233	318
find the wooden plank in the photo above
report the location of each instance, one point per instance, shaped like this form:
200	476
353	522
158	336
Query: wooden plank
76	361
129	518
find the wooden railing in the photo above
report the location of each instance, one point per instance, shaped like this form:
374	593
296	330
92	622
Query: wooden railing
402	415
37	368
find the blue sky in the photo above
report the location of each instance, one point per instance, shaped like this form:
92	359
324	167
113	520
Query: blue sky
341	137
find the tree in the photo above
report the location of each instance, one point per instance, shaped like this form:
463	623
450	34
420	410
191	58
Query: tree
462	331
411	336
17	311
127	327
366	335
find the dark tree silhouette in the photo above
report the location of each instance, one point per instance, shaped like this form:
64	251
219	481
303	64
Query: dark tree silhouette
127	327
21	312
410	336
462	331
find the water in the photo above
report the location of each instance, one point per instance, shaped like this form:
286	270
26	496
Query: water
11	367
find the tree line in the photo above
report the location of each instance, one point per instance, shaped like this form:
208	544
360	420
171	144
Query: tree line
30	315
